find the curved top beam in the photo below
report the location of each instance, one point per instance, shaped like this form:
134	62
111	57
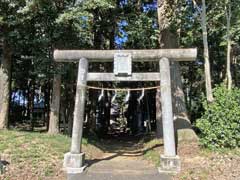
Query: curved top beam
137	55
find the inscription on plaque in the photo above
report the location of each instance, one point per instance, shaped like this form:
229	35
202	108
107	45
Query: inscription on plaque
122	64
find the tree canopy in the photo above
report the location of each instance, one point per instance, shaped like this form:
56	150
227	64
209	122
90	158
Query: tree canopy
34	28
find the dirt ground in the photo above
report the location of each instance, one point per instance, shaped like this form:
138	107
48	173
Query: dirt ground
201	164
196	163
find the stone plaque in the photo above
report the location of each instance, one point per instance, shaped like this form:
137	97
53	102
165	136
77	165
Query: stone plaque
122	64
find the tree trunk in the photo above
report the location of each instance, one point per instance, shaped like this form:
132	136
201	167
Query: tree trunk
169	40
229	75
46	103
70	122
228	70
159	130
5	85
207	70
55	105
31	103
63	116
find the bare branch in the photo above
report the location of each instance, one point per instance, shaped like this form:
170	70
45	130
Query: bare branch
196	6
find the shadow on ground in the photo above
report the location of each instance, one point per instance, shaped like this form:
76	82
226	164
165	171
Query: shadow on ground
122	159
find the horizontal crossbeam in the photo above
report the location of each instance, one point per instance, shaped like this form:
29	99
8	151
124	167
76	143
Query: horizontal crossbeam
134	77
137	55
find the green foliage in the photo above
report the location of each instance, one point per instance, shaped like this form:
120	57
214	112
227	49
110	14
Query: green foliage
220	123
142	33
99	4
34	28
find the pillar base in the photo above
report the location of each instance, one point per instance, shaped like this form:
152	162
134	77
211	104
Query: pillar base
74	163
169	164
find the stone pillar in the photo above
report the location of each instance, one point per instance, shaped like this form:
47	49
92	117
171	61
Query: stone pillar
170	162
74	160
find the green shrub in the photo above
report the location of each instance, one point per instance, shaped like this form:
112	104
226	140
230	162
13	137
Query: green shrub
220	123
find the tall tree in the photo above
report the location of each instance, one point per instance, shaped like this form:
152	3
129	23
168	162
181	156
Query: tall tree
207	70
5	85
8	22
228	9
55	105
168	39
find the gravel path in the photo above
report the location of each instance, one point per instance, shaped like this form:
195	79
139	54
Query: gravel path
126	166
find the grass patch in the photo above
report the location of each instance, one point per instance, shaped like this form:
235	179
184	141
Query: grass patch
39	152
153	156
221	151
152	150
33	146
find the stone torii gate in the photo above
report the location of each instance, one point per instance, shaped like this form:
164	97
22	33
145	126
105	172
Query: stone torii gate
170	162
